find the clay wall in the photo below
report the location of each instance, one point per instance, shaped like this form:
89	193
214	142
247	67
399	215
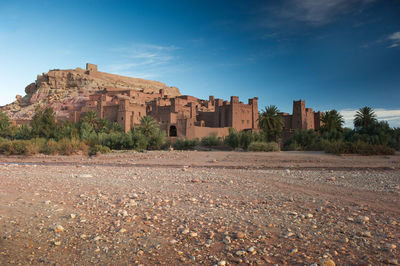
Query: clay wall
309	118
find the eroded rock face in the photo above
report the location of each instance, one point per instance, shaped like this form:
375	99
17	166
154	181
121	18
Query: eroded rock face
72	87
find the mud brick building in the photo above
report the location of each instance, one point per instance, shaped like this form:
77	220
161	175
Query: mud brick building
302	118
180	116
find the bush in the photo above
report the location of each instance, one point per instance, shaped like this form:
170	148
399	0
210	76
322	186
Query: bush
359	147
23	132
211	141
307	140
72	146
19	147
185	144
232	139
96	149
51	147
263	146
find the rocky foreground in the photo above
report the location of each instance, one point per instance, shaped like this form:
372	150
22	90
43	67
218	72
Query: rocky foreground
221	208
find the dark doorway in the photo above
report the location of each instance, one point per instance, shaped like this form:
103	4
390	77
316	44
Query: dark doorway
172	131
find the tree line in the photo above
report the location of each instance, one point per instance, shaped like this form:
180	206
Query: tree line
94	135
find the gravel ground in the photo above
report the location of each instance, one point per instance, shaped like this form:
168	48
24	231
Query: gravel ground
208	208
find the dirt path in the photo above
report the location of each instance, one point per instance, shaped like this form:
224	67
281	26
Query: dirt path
200	208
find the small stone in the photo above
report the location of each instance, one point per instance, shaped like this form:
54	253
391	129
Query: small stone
222	263
366	234
240	235
251	249
97	238
332	178
58	229
57	243
328	263
240	253
287	171
185	231
393	261
294	251
72	216
309	215
193	234
363	219
391	246
227	240
320	209
124	213
135	196
84	176
122	230
173	241
47	202
83	236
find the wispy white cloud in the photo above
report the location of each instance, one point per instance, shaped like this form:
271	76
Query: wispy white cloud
394	39
143	60
390	115
317	12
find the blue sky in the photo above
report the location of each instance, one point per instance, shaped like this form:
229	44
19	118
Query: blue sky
335	54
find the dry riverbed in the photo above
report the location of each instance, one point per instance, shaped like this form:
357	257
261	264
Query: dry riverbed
210	208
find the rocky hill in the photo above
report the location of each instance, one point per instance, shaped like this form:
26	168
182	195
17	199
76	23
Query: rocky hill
72	87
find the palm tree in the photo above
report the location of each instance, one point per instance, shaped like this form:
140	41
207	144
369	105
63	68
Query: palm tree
364	117
148	125
332	120
271	122
91	119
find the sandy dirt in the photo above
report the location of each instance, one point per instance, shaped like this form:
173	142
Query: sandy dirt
212	208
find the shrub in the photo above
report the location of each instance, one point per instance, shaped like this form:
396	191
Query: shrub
51	147
71	146
308	140
23	132
211	140
5	127
19	147
96	149
232	139
185	144
140	141
263	146
359	147
44	124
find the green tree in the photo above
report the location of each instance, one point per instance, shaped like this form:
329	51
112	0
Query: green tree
5	127
271	122
148	126
332	120
44	124
91	119
364	117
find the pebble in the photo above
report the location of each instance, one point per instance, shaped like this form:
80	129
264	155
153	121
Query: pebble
193	234
251	249
72	216
122	230
240	253
240	235
227	240
84	176
58	229
222	263
328	263
363	219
